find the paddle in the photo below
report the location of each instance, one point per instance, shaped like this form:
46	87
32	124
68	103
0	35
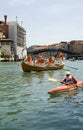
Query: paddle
53	80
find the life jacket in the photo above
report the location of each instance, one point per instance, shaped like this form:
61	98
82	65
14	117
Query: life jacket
70	80
40	60
29	59
51	60
59	55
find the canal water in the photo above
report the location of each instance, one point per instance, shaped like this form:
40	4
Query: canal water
26	105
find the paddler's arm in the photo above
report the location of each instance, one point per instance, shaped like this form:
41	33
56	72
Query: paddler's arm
74	80
63	81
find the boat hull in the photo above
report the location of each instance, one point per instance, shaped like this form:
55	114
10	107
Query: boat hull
28	67
64	88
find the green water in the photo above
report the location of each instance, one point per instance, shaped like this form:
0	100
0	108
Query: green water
26	105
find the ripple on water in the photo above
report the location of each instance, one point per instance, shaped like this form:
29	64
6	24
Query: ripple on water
25	103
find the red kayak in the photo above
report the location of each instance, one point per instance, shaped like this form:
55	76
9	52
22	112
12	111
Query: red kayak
65	87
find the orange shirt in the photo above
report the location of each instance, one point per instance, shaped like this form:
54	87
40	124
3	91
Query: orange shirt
40	60
51	60
29	59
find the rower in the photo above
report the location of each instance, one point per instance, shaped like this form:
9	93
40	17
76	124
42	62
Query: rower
29	59
69	79
40	60
51	60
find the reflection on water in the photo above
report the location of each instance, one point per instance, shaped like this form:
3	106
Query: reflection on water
70	97
64	93
51	73
67	93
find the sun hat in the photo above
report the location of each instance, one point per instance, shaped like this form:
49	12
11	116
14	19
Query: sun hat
67	73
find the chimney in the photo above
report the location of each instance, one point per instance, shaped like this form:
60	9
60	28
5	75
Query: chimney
5	19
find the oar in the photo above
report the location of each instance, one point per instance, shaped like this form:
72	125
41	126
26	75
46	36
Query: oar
53	80
71	67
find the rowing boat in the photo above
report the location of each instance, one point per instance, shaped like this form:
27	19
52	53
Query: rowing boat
27	67
65	87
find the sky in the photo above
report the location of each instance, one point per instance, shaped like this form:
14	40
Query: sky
46	21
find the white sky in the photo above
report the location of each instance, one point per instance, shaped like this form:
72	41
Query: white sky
46	21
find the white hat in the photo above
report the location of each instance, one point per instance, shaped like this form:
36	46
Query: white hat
67	73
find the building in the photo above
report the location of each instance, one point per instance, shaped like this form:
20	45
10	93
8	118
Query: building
6	50
76	46
18	34
13	36
4	28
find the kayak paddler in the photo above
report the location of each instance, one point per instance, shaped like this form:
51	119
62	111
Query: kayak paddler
69	79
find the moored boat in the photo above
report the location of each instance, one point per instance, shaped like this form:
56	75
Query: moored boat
65	88
27	67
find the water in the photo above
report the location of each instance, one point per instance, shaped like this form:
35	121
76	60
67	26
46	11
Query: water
26	105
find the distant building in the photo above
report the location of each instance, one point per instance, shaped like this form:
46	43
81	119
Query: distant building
13	36
4	28
6	49
18	34
76	46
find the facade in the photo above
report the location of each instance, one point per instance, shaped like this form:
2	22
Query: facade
76	46
18	34
4	28
6	50
13	36
6	44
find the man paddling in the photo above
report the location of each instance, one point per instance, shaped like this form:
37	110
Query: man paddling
69	79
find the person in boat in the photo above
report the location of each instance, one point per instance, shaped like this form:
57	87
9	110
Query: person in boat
51	60
69	79
40	60
29	59
59	57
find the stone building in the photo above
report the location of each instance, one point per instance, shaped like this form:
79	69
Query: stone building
76	46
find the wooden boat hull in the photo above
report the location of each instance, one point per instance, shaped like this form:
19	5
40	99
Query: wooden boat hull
28	67
64	88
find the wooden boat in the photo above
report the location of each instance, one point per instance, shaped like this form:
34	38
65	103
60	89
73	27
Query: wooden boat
27	67
65	87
